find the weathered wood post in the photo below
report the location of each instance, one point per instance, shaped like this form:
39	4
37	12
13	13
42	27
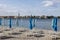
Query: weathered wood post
10	25
31	26
54	23
0	21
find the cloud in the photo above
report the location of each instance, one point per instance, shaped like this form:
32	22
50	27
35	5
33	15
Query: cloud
5	7
7	10
27	9
55	0
48	3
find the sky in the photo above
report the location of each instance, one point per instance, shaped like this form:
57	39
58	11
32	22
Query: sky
30	7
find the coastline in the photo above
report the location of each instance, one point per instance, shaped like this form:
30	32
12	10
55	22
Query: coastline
26	34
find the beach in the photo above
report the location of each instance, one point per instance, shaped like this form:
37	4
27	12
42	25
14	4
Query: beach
27	34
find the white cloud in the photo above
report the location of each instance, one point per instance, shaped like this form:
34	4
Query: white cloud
55	1
27	9
48	3
7	10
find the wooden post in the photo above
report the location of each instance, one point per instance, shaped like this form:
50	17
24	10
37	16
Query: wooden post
0	21
34	22
54	24
10	25
31	27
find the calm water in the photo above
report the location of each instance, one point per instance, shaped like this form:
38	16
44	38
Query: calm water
39	23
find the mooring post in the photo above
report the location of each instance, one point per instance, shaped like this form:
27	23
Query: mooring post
17	22
0	21
10	25
34	22
31	27
54	23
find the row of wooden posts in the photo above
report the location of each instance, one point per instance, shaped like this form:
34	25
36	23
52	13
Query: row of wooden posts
54	23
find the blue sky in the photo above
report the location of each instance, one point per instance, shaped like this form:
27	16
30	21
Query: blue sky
28	7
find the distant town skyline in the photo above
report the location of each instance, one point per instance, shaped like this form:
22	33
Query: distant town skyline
30	7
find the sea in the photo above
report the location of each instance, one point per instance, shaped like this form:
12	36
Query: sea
39	23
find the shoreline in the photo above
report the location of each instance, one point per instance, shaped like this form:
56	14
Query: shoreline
26	34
